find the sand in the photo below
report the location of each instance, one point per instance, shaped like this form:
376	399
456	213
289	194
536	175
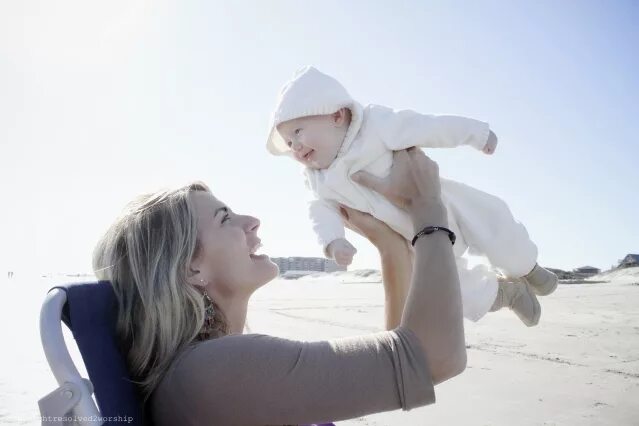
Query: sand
579	366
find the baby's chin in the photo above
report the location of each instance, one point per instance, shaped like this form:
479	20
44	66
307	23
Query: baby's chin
323	161
315	165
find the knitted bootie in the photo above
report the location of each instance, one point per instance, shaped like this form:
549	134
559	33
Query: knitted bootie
518	297
541	280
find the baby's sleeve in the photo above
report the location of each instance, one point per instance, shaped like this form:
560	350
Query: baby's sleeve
401	129
327	222
324	215
264	380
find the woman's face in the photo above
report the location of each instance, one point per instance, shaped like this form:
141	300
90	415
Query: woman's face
228	241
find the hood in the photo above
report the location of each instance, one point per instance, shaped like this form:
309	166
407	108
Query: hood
310	92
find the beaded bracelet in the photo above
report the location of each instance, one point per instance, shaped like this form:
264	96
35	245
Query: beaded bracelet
430	229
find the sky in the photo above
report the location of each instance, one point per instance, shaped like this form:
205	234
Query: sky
102	101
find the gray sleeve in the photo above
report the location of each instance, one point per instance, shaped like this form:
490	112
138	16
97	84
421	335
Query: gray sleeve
257	379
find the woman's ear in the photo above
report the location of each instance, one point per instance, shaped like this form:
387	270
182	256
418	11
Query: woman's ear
193	276
196	274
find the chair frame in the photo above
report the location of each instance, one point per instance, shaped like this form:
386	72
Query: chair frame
71	403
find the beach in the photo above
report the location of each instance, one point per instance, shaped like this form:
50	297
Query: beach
579	366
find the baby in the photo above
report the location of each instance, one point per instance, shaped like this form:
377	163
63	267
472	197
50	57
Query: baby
317	123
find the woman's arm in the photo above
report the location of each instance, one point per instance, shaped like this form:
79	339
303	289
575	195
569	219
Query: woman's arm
254	379
433	309
396	257
397	268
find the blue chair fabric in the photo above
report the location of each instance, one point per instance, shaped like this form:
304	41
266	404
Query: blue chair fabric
90	313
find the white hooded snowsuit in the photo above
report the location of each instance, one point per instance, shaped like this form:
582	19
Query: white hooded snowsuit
482	222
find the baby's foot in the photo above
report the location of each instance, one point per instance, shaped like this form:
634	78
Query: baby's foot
541	280
518	297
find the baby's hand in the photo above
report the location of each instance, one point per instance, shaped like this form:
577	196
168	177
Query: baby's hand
491	144
342	251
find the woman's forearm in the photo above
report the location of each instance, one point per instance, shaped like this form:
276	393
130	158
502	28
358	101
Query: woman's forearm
433	308
397	265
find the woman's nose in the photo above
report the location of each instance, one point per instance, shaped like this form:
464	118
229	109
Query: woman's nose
252	224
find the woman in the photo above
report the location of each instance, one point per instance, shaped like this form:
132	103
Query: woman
183	266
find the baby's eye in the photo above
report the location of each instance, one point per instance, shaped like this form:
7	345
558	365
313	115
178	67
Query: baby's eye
297	131
225	218
289	143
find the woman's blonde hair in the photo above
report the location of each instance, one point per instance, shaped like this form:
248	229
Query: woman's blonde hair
146	254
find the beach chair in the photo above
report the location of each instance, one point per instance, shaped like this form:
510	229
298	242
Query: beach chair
89	311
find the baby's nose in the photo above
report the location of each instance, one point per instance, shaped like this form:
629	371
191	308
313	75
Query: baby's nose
296	146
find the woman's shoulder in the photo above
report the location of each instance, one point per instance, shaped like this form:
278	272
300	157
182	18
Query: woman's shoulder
224	356
219	370
232	348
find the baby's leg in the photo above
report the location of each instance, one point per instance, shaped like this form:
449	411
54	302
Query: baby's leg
490	229
478	289
478	285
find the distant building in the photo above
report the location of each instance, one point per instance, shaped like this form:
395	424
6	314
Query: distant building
561	274
306	264
587	270
629	261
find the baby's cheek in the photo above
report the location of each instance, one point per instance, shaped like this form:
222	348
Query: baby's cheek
318	148
310	142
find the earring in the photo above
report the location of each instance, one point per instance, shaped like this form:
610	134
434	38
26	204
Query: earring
208	327
208	304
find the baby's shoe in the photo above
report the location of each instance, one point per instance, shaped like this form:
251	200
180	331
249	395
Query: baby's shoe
541	280
518	297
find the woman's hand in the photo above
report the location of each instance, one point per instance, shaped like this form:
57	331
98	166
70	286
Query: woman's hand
412	183
376	231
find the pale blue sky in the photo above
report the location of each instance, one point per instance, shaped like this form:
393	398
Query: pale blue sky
100	101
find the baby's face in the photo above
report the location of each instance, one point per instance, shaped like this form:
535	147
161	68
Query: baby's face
315	140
